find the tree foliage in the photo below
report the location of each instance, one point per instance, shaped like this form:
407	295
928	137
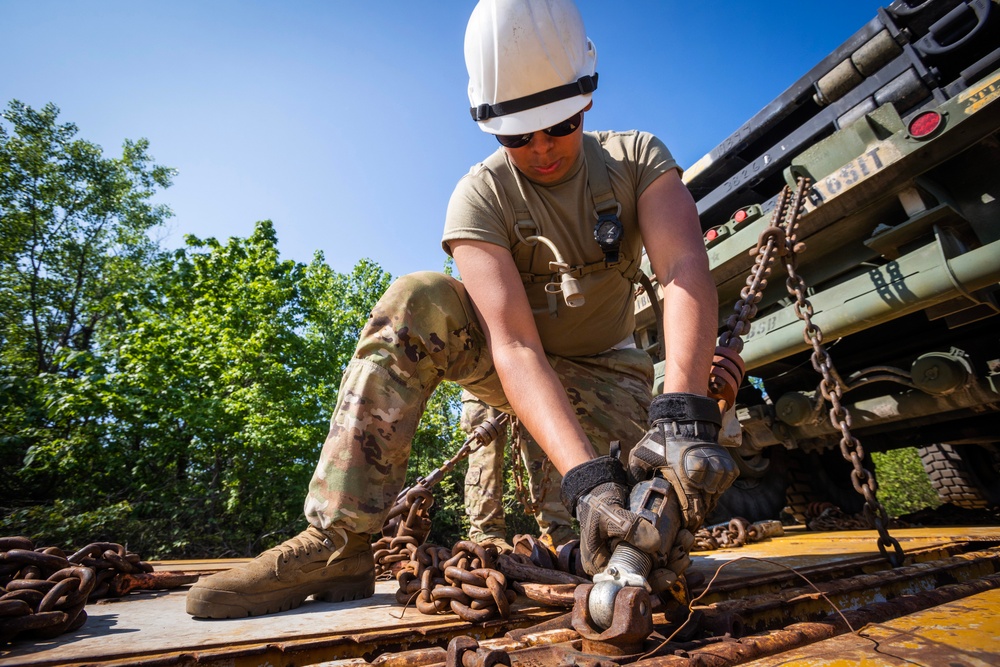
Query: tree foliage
75	237
176	401
903	484
224	379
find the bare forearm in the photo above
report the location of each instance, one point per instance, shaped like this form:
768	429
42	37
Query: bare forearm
690	323
671	234
540	402
531	386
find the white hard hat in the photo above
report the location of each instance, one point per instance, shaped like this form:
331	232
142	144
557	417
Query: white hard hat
530	64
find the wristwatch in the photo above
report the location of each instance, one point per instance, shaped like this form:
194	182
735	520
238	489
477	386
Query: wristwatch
608	234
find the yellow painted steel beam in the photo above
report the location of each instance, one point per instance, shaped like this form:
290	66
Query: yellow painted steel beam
965	632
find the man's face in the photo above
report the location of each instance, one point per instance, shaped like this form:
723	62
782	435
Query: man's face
547	159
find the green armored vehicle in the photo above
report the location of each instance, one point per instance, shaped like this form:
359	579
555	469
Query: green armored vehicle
898	131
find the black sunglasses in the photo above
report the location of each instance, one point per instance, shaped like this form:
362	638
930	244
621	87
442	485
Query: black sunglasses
562	129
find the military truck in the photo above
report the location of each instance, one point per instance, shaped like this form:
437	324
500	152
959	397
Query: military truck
898	131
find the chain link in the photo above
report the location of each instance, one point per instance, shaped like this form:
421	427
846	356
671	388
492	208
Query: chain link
770	245
476	582
826	516
737	532
44	591
463	580
728	369
519	473
408	522
831	386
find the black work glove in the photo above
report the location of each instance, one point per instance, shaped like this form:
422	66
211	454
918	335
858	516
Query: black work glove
683	444
597	495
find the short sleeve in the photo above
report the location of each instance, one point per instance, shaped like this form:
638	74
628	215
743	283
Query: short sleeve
475	212
652	160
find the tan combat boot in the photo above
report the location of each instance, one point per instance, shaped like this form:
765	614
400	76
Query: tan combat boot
331	566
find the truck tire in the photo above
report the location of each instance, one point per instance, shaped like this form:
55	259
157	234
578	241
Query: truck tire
966	476
822	477
758	493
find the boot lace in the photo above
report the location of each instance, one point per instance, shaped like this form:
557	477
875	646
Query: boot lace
303	544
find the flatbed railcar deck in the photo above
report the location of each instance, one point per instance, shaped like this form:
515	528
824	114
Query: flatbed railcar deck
941	608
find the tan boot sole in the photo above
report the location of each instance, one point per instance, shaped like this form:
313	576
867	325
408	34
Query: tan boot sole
212	603
206	602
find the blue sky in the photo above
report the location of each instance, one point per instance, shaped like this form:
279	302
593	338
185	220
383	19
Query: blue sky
346	123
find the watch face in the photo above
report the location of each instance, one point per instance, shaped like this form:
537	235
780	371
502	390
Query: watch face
608	232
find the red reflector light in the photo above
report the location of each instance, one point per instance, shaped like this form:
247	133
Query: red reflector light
925	124
740	216
712	234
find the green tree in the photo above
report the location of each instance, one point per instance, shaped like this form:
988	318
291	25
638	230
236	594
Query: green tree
74	236
214	399
225	380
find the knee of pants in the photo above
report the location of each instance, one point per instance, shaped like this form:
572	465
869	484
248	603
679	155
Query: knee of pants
423	331
419	292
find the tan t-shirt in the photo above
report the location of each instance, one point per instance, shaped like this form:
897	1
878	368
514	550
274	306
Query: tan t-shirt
564	212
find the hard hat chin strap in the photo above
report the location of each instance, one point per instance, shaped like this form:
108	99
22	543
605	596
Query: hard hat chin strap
582	86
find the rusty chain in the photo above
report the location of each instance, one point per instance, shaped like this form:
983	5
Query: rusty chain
408	522
476	582
405	529
727	366
465	651
831	386
770	245
44	591
519	473
737	532
463	580
732	534
825	516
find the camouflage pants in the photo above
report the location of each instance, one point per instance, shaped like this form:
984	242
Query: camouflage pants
422	331
484	482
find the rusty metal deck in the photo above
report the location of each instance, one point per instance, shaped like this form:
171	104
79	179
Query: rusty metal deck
153	628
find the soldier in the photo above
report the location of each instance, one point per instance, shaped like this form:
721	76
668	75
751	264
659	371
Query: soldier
484	486
547	235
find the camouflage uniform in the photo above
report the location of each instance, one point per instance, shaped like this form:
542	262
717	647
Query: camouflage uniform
484	483
484	478
424	330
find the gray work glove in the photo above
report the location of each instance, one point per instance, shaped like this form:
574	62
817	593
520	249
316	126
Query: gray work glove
596	493
683	445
